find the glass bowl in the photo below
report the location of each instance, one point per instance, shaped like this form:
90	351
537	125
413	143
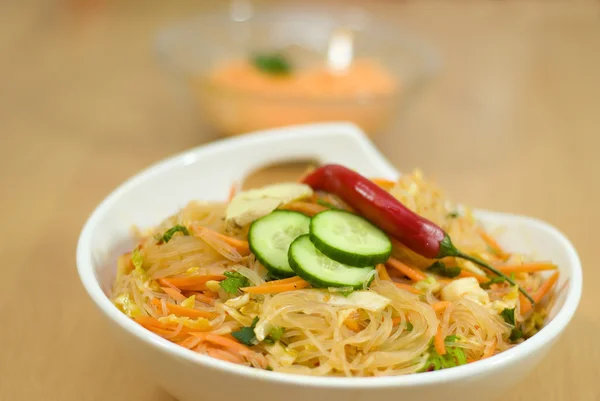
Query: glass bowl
192	49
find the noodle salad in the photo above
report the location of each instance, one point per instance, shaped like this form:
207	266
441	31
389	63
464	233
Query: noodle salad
335	275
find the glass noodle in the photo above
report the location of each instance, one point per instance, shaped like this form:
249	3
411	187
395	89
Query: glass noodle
176	289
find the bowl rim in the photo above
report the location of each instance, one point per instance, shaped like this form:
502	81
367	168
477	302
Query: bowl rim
429	58
90	282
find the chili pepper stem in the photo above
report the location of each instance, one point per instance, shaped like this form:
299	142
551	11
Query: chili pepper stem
447	248
495	271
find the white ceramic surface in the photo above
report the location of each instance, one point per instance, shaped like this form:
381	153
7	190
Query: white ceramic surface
207	173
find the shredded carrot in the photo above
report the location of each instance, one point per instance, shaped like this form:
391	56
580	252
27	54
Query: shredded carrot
168	333
228	343
201	297
407	287
492	244
173	293
225	341
199	334
441	306
525	304
241	246
232	191
539	294
546	287
465	273
190	342
181	311
148	321
224	355
211	294
273	288
489	351
309	209
382	271
409	272
384	183
194	283
527	268
165	330
158	330
438	342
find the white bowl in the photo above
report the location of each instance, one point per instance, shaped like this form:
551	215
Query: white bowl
207	173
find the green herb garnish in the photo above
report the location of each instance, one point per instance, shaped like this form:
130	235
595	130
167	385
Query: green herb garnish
234	282
440	269
171	231
272	63
493	280
246	335
515	334
508	315
409	326
455	356
453	215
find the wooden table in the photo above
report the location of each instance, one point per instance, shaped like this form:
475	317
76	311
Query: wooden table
511	123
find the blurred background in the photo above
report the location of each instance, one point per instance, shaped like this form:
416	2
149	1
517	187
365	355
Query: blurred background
496	100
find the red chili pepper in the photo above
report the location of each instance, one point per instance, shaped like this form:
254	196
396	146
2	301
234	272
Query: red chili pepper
386	212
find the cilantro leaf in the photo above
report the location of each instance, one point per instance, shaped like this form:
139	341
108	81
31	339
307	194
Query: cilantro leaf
234	282
493	280
272	63
137	259
509	316
246	335
171	231
515	334
409	326
454	356
440	269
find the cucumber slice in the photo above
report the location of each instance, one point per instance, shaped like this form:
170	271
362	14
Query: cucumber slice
349	239
320	271
270	238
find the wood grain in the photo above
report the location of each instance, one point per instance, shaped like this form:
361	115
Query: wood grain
511	123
